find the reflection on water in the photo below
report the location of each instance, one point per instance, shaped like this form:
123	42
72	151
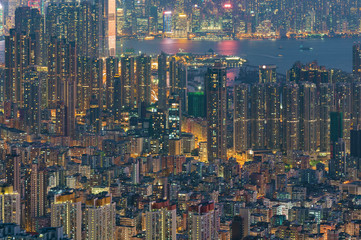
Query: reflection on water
334	53
228	47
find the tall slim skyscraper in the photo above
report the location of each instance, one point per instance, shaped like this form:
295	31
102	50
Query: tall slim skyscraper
162	81
12	171
111	27
178	75
337	163
143	91
17	59
273	116
290	115
356	105
96	83
326	106
112	69
356	59
258	116
241	118
29	22
355	143
35	194
32	100
336	126
117	98
127	82
215	89
174	125
309	131
343	93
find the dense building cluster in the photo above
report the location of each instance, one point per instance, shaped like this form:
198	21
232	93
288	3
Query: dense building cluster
99	145
194	19
218	19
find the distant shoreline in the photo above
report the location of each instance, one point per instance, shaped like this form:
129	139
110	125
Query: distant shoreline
275	37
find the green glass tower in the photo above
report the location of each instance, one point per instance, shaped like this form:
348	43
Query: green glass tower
196	104
336	128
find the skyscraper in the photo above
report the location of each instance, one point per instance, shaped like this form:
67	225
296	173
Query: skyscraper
258	116
17	59
309	131
356	59
178	80
267	73
241	118
127	82
337	163
174	125
160	221
343	93
10	210
273	116
162	81
32	95
99	218
117	98
111	27
356	105
215	89
355	143
196	104
143	69
326	106
336	126
203	221
35	194
112	69
66	212
12	171
290	117
167	22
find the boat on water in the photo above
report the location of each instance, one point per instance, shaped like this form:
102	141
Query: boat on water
304	48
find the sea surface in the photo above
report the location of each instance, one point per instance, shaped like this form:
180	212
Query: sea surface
332	53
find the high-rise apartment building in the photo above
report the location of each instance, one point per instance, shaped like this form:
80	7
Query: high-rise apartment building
258	116
10	210
99	218
309	130
143	71
112	70
178	78
162	81
325	108
160	221
267	73
290	115
273	116
215	89
356	59
127	82
66	212
203	221
241	131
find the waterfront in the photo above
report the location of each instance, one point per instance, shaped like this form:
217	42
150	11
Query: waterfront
332	53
